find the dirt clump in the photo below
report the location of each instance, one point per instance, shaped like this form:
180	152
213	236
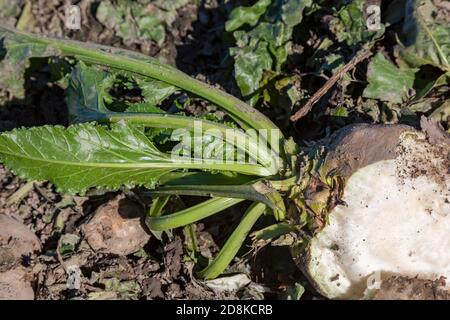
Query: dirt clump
404	288
15	285
17	242
117	227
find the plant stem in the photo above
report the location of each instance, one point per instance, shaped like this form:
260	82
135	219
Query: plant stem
157	206
257	191
21	193
155	211
149	67
191	163
203	178
192	235
190	215
230	135
246	192
284	185
234	242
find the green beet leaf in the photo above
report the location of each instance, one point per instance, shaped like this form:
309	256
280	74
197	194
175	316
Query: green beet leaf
266	45
16	60
84	156
426	39
387	82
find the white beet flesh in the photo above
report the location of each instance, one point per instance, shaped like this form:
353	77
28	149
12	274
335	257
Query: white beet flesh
395	220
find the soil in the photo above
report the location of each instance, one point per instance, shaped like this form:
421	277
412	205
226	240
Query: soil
404	288
75	246
75	259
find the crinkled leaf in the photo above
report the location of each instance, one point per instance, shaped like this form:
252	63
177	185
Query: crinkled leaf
246	15
249	66
85	155
110	15
18	52
292	11
150	28
127	290
387	82
87	93
426	40
154	92
136	21
171	5
130	22
266	46
350	26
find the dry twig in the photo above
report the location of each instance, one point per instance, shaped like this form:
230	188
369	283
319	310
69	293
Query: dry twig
303	111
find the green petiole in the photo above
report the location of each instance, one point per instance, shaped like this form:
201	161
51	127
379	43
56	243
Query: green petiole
234	242
230	135
149	67
190	215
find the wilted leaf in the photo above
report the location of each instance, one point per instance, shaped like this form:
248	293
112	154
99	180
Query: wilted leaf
387	82
16	60
232	283
442	113
87	94
125	289
68	244
425	38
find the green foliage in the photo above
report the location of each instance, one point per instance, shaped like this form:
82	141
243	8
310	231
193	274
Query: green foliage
126	290
349	24
246	15
387	82
295	292
85	156
124	151
266	45
16	60
88	93
135	21
425	38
